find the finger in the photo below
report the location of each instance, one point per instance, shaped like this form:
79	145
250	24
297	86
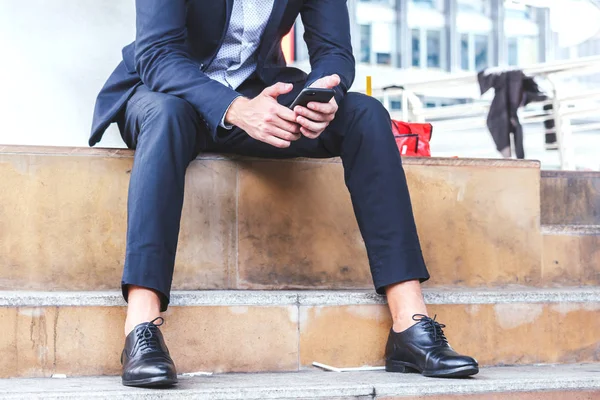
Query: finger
332	81
312	115
277	89
276	142
311	125
327	82
309	134
282	134
291	127
285	113
323	108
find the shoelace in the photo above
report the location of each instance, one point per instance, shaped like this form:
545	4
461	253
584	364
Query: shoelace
147	338
432	326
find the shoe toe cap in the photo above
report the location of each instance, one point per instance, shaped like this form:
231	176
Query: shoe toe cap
450	359
159	368
457	361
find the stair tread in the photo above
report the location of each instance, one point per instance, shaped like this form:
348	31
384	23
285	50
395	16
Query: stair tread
117	153
512	294
317	384
570	229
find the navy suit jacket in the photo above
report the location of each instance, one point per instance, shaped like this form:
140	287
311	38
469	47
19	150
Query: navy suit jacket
176	40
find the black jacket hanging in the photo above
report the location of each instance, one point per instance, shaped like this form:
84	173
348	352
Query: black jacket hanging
513	89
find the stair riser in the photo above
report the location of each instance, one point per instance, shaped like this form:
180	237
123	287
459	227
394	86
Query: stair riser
263	224
573	259
88	340
570	198
501	334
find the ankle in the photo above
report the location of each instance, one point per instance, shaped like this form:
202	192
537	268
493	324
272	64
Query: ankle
132	322
405	300
402	323
143	306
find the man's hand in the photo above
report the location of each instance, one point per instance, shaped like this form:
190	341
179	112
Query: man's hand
264	119
315	117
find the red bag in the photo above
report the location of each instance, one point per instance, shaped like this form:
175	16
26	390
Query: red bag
412	138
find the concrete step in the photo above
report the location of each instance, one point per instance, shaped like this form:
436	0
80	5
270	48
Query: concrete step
570	198
257	331
261	224
548	382
571	254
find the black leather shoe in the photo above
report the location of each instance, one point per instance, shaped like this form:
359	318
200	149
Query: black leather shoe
424	348
145	358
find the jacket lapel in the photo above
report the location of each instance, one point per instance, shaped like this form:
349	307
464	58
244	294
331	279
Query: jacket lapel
228	11
229	5
279	7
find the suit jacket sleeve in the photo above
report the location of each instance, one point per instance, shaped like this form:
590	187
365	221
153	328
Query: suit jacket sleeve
164	63
327	35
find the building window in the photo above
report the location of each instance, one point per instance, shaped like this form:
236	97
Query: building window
528	47
395	104
474	52
425	3
384	58
434	49
416	48
428	49
478	6
513	51
518	11
464	52
365	43
431	4
481	52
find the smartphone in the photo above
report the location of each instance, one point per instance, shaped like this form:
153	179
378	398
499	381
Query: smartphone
308	95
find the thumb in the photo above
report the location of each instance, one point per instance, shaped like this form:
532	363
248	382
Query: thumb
327	82
277	89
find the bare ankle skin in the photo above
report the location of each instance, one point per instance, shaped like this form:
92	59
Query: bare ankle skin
143	306
405	299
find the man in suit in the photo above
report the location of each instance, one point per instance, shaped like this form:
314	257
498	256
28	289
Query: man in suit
210	76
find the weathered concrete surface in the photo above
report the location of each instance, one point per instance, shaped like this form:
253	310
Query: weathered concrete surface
247	331
261	224
570	198
573	382
64	220
571	254
501	334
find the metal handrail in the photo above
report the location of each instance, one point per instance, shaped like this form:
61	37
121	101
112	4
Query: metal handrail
542	69
473	115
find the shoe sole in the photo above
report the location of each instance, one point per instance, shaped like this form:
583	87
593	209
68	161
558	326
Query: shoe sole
157	381
459	372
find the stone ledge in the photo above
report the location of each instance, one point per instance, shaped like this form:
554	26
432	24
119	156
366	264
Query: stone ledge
571	230
318	385
303	298
241	217
570	174
570	197
126	153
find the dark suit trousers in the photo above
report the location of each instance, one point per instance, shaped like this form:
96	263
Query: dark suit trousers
167	134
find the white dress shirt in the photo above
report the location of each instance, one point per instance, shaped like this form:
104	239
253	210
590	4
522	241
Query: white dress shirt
236	60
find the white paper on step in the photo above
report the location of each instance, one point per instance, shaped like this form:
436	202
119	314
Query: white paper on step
354	369
199	373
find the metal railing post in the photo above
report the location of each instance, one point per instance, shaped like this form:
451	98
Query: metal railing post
563	130
386	100
405	110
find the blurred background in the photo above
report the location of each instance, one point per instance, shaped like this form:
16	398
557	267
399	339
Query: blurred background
62	51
